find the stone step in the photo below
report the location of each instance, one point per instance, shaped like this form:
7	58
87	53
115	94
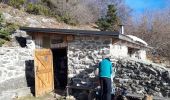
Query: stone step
10	94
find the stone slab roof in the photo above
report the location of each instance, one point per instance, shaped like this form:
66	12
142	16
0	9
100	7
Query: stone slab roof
70	31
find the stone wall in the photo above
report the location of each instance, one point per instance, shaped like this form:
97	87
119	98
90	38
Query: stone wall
141	77
16	64
119	50
84	54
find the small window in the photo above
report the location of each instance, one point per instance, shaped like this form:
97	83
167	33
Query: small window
46	42
130	51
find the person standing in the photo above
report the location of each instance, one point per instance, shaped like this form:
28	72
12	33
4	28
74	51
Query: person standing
105	71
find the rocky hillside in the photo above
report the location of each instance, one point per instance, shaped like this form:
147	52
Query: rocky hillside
12	15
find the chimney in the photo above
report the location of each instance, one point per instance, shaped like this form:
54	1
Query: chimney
122	29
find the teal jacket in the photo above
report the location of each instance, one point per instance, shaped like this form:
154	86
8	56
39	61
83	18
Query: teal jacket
105	68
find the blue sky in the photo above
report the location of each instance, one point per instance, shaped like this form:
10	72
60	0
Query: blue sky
139	6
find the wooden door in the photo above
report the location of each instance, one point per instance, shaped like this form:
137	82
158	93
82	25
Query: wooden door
44	81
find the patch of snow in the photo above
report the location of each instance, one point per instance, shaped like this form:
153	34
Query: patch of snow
137	39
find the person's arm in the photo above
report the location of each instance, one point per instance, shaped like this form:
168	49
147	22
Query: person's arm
110	68
99	67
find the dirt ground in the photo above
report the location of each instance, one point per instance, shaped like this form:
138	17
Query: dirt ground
45	97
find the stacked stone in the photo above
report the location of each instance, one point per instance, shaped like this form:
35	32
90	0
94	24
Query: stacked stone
84	54
142	78
13	67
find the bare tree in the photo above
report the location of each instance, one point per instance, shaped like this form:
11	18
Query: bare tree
154	27
88	11
83	11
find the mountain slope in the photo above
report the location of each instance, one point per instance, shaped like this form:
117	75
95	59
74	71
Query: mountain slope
12	15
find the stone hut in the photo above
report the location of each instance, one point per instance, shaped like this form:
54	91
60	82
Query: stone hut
71	56
54	58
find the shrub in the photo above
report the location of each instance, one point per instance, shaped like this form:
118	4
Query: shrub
38	9
6	30
68	20
2	41
4	34
17	3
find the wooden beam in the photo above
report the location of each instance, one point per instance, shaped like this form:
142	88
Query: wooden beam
69	38
115	40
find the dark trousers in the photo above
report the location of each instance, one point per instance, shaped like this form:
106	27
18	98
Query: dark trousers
105	84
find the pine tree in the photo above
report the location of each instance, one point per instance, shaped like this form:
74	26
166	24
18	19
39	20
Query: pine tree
110	22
